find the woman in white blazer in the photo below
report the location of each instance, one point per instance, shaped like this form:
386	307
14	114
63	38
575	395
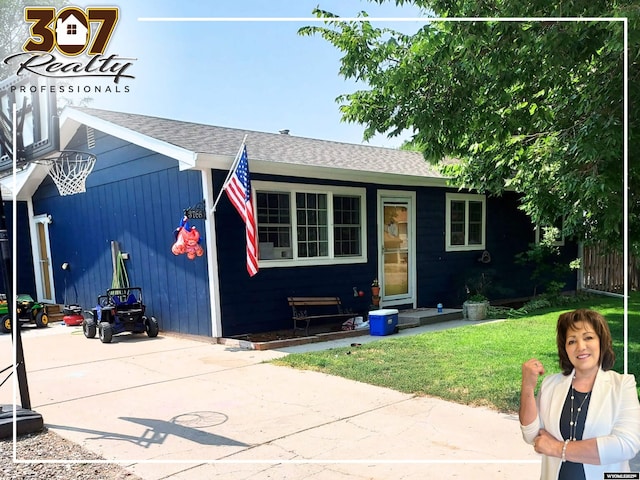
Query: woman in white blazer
585	421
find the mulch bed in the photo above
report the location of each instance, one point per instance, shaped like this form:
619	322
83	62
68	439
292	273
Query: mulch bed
287	334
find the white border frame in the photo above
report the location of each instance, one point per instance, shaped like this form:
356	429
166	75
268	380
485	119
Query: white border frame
426	20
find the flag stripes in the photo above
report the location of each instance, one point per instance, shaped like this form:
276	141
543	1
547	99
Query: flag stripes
239	192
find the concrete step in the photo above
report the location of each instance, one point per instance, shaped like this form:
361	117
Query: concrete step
426	316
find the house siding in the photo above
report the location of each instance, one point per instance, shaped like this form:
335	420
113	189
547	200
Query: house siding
254	304
25	279
508	232
259	303
442	276
136	198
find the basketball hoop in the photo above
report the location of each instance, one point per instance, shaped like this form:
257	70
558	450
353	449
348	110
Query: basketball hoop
70	170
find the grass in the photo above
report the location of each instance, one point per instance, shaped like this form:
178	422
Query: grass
475	364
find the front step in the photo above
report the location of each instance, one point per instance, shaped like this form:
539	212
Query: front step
426	316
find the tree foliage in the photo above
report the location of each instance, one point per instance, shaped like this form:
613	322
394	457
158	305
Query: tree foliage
14	28
535	106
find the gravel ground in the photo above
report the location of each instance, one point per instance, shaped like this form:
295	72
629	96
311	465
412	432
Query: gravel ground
47	445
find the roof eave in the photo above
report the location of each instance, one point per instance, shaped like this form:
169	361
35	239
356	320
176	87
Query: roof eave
26	183
223	162
70	121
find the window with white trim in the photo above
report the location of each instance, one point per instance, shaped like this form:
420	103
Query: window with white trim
555	230
274	225
465	222
310	223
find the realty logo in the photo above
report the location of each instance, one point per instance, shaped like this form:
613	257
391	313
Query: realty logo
71	32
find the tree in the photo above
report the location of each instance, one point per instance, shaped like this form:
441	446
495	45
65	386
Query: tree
533	106
17	32
14	28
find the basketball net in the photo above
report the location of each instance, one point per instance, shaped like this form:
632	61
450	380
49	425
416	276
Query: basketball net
70	170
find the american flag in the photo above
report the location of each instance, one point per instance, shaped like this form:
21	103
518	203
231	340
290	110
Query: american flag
239	192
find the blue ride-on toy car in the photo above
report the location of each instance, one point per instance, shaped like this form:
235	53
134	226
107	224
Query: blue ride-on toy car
120	310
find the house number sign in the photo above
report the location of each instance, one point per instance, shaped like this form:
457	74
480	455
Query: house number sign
196	212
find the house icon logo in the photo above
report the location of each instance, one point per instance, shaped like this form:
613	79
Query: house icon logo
70	43
72	32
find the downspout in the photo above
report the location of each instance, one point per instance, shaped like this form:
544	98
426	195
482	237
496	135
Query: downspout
212	254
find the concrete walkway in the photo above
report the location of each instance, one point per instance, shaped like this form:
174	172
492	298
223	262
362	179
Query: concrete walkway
183	409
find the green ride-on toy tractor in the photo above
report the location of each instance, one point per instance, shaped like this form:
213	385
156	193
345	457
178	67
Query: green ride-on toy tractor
27	311
4	313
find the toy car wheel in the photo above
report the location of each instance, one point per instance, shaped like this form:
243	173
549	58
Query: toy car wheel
6	324
42	319
152	327
105	331
89	328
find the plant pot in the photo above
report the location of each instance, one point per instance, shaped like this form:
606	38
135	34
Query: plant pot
375	296
474	311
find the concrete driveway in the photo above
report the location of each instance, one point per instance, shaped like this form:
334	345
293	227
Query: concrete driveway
180	408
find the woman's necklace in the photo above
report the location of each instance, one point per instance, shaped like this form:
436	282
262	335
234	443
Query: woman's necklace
573	422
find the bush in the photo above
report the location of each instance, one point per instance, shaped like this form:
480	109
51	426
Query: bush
547	300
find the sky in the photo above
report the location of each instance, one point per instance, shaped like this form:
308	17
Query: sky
256	75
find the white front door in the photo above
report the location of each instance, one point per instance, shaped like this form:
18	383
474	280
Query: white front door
396	238
42	260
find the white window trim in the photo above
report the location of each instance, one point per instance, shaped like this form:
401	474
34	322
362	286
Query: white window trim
466	197
330	190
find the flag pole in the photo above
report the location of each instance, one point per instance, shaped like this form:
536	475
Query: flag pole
230	174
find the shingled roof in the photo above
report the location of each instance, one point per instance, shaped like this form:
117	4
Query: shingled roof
271	147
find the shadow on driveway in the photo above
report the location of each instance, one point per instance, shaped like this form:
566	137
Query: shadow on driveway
188	426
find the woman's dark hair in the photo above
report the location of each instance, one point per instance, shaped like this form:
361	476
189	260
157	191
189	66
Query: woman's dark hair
600	327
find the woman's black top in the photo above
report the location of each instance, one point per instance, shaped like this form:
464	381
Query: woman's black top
570	470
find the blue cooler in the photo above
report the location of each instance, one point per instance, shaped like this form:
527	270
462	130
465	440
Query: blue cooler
383	322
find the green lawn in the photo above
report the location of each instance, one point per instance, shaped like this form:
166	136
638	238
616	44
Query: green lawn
474	364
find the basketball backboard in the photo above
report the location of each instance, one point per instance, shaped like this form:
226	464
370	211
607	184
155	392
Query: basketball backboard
36	118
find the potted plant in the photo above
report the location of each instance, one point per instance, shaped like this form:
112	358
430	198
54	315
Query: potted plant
475	307
375	292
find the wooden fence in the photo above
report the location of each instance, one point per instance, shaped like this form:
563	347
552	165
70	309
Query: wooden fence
604	271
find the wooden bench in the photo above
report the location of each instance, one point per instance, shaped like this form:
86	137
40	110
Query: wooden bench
299	307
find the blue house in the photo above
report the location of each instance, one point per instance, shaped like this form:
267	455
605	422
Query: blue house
331	218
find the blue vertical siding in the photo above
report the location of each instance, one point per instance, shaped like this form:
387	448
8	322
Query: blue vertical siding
23	263
442	275
137	198
433	267
259	303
